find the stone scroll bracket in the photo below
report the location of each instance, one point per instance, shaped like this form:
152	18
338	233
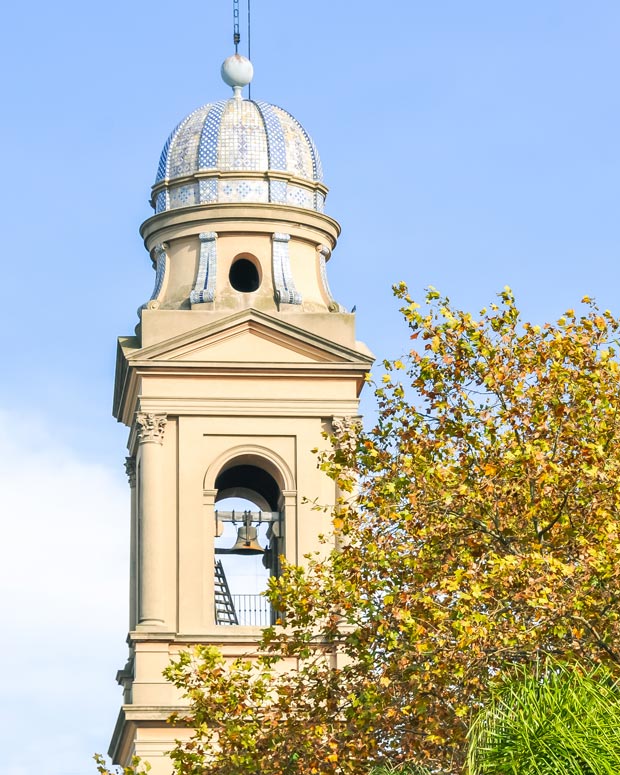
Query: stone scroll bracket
285	291
204	289
162	273
324	253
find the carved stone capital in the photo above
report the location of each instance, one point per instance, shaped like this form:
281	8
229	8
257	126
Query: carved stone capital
346	431
150	427
130	470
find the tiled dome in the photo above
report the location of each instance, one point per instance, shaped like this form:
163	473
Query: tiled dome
239	151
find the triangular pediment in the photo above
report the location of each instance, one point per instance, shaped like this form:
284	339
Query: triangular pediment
247	337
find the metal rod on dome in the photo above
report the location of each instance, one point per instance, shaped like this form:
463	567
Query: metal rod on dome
249	43
236	34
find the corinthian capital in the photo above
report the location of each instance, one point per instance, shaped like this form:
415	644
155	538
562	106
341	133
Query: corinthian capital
150	427
346	431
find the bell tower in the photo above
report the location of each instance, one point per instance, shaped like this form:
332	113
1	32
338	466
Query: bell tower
241	360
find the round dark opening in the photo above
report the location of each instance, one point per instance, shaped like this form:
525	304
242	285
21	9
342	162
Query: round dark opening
243	276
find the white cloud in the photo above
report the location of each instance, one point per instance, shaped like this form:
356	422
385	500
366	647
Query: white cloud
63	587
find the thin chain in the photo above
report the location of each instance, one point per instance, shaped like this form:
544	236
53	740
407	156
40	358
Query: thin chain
249	49
236	33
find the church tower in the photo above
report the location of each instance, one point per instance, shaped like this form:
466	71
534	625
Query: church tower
242	358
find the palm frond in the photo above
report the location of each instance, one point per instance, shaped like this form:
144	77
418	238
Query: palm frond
407	768
559	720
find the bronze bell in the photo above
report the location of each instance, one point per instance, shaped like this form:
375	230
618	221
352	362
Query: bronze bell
247	542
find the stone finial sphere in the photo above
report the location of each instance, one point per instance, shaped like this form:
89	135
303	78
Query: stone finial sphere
237	70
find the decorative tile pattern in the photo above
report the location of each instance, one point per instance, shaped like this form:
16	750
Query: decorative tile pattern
163	170
299	197
162	202
301	151
183	154
232	135
208	190
275	136
183	196
316	159
243	191
207	149
243	141
298	152
277	191
163	159
282	275
204	289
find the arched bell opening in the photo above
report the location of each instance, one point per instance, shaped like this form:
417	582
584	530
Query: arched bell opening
248	543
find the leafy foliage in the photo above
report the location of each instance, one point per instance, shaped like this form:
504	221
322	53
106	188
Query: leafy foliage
136	767
478	530
407	768
560	720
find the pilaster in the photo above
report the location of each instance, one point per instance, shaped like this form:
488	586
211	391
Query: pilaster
151	520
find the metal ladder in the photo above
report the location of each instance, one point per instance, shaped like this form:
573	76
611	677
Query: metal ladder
224	607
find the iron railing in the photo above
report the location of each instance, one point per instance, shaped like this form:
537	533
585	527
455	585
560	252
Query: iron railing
252	610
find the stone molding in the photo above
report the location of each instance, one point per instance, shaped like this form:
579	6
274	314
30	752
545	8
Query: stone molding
226	218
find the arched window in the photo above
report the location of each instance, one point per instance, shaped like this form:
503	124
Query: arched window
248	544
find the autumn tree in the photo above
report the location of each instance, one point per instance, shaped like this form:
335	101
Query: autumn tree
478	530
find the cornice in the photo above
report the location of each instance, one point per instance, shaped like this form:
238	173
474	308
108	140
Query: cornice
130	718
240	218
130	399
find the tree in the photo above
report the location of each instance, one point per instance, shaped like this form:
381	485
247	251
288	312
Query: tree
560	720
478	530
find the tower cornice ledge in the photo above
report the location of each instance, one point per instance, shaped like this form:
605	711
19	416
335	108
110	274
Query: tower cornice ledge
240	218
130	718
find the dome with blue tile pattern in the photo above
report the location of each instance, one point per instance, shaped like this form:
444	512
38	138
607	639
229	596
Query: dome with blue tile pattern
239	151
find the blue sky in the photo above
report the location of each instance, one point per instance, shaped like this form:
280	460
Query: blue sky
466	145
